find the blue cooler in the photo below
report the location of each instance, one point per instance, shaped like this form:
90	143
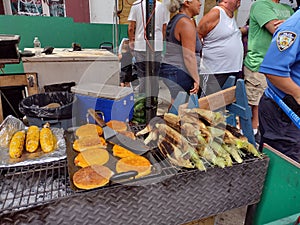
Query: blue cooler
115	102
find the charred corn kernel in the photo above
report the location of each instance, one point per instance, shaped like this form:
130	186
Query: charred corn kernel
16	144
47	140
32	139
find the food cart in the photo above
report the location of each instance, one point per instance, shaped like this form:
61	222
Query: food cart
43	193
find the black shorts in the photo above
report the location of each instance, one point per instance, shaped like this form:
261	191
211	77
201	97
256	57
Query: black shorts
277	130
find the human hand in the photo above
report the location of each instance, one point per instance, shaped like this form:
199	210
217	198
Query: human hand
195	89
127	84
131	45
119	57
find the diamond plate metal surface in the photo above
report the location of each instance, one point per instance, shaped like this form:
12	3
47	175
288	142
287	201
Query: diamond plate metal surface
178	199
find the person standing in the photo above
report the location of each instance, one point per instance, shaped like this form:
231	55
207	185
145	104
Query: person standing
281	65
179	68
222	53
265	18
138	40
125	57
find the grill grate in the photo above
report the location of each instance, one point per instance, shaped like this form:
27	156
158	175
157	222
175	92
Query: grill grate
26	186
29	186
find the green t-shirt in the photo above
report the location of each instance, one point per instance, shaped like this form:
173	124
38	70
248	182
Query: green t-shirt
259	38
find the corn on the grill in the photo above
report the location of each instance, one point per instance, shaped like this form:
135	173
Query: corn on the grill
32	139
47	140
16	144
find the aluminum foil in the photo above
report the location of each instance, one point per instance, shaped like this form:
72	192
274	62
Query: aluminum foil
9	126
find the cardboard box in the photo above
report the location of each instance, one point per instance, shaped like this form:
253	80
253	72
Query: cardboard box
115	102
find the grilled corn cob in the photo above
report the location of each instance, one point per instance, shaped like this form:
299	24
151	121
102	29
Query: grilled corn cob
219	151
47	139
32	139
16	144
208	154
181	142
172	120
173	153
241	143
213	118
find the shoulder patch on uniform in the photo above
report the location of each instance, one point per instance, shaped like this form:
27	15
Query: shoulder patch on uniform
285	39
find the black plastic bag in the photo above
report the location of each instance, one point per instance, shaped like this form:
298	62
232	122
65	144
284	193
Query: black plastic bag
36	105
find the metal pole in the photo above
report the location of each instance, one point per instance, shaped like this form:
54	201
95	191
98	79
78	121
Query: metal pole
116	28
151	100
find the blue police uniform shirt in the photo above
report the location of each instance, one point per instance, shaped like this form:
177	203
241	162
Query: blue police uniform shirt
283	56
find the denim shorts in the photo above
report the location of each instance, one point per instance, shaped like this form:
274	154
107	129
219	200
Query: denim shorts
176	79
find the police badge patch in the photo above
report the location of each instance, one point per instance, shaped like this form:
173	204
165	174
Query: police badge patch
285	39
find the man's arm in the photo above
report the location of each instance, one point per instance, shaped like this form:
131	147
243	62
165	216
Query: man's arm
131	34
287	85
208	22
272	25
164	31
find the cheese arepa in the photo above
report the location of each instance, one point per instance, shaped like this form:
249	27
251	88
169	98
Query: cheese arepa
121	152
128	134
87	142
92	156
92	177
88	130
117	125
137	163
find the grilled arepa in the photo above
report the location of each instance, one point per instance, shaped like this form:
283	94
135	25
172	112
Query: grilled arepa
93	156
87	142
121	152
92	177
88	130
117	125
128	134
137	163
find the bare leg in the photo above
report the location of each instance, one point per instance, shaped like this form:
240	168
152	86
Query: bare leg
254	116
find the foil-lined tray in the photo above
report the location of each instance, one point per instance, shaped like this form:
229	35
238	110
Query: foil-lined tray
11	125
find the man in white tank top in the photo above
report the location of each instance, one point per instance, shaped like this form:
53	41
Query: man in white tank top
222	52
137	39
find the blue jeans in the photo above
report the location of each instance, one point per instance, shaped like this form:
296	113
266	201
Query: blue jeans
176	79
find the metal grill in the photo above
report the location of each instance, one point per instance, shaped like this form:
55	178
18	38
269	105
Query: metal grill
30	192
27	186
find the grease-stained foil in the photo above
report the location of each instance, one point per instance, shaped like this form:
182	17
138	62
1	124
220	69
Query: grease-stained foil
11	125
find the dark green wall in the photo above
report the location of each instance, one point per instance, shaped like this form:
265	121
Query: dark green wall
58	32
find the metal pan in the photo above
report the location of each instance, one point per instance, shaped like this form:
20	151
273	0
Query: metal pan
117	178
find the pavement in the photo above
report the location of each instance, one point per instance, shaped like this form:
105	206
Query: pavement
231	217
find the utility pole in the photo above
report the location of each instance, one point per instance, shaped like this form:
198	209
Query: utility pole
151	79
